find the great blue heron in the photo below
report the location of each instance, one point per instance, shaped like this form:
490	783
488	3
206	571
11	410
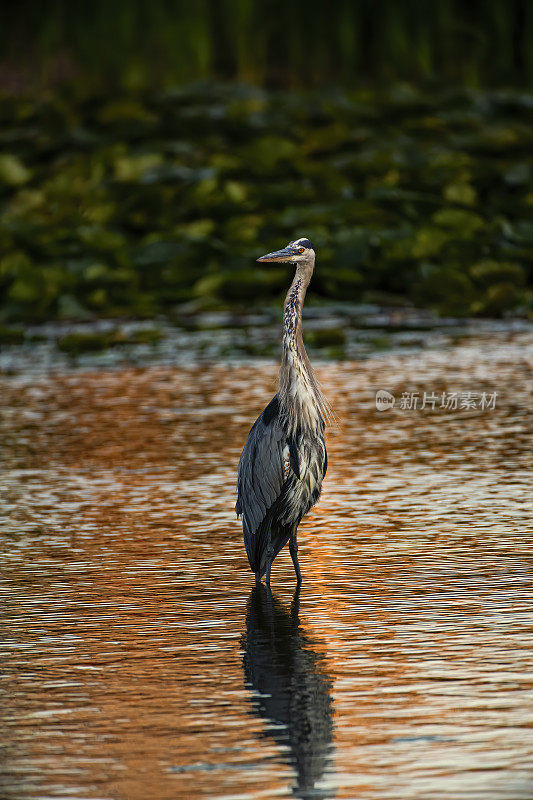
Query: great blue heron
284	459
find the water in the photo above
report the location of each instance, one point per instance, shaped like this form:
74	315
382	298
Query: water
137	660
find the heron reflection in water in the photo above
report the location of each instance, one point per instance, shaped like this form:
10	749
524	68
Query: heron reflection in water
285	667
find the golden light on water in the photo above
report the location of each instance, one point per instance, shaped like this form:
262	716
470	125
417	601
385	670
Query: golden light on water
134	654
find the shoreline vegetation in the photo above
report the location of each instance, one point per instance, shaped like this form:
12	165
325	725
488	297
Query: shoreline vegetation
101	47
144	203
332	332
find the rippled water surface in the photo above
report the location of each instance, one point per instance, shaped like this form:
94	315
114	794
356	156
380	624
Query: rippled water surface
139	664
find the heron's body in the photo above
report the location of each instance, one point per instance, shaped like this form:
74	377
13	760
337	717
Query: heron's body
284	459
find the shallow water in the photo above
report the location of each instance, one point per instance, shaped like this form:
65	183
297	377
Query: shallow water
139	663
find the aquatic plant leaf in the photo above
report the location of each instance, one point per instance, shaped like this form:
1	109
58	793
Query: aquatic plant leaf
12	171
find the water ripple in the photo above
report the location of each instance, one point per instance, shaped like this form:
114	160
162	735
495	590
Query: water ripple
137	660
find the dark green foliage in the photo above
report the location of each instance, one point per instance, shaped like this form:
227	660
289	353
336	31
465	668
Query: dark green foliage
76	343
11	335
143	44
136	204
325	337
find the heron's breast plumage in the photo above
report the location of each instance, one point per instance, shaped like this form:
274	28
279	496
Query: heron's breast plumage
304	484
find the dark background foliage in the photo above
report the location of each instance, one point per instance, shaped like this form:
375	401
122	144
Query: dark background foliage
273	43
150	151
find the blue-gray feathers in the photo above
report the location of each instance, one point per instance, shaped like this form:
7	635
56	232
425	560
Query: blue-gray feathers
280	478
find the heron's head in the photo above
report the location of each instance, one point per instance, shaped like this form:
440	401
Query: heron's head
297	251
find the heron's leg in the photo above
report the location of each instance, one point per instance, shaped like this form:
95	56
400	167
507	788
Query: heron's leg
293	549
258	579
270	559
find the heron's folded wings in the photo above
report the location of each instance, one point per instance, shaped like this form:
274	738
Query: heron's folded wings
261	472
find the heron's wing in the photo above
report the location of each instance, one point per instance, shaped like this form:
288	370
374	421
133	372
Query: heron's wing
261	477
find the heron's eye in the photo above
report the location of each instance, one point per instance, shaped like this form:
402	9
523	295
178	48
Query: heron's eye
301	249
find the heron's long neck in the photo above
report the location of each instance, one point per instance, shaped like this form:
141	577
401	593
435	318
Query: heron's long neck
300	395
292	315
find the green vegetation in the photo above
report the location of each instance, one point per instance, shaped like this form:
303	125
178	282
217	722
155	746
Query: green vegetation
147	44
139	203
76	343
11	335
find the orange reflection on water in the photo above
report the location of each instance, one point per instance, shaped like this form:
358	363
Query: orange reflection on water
137	661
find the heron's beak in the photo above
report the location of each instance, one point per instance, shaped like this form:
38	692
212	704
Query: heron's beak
279	255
